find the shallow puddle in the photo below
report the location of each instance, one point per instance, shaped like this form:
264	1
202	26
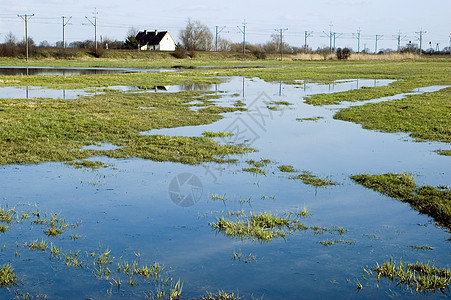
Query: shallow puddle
128	208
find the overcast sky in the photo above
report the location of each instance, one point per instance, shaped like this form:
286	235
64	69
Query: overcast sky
116	17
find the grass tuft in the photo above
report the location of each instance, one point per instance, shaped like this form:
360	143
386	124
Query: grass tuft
309	178
7	276
422	277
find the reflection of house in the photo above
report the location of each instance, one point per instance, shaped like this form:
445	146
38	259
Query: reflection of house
155	40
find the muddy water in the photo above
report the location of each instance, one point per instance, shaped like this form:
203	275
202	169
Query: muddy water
127	206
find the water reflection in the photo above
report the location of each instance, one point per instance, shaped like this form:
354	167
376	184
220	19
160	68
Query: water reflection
33	92
18	71
24	71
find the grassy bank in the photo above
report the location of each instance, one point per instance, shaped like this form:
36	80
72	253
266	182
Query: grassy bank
435	202
424	117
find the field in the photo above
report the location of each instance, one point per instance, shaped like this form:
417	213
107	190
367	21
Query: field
183	181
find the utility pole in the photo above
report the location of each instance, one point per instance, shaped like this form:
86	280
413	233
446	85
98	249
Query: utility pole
329	35
243	31
64	25
281	41
216	39
449	44
306	35
95	25
336	36
357	35
378	37
420	38
26	18
399	39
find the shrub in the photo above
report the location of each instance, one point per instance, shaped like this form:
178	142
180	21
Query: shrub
343	54
259	54
179	53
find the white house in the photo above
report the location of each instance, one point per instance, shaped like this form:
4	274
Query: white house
155	40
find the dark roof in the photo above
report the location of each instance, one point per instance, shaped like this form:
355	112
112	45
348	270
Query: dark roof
150	37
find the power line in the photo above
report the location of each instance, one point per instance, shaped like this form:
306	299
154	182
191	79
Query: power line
336	36
64	25
306	35
358	39
26	18
420	38
95	25
216	38
399	39
281	40
378	37
244	35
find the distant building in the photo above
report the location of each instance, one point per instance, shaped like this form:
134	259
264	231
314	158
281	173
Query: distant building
155	40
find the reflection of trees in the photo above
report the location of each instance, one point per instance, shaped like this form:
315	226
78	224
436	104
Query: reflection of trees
196	87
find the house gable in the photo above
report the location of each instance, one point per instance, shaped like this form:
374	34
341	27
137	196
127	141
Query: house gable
155	40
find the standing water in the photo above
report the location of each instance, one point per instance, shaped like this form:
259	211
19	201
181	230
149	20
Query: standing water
133	208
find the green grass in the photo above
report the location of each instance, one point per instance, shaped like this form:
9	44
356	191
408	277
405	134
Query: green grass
221	295
3	228
422	277
87	164
33	131
333	242
255	170
35	245
287	169
309	178
424	117
435	202
7	276
309	119
417	247
259	226
213	134
444	152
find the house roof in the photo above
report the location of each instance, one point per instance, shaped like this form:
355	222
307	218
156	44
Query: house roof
150	37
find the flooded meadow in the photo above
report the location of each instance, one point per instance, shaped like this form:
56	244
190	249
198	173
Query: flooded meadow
250	224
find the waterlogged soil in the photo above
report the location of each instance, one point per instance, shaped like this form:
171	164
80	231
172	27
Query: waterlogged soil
132	206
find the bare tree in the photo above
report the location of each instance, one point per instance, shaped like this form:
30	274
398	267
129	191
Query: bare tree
196	36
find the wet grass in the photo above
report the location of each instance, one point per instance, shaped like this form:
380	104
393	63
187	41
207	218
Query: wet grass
35	245
34	131
423	117
257	166
221	295
255	170
333	242
3	228
7	276
87	164
309	119
244	258
444	152
258	226
287	169
213	134
435	202
308	178
417	247
421	277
